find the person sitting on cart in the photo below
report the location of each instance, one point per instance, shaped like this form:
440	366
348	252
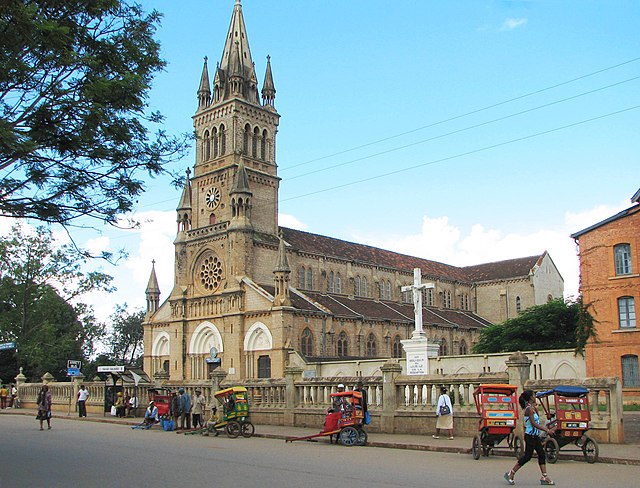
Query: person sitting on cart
228	404
151	414
214	420
339	403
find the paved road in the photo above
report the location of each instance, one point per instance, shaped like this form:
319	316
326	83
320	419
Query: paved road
88	454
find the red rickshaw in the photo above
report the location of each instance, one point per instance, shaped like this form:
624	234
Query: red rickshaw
570	416
162	400
497	405
345	421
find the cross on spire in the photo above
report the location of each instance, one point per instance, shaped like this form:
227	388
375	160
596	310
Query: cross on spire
416	290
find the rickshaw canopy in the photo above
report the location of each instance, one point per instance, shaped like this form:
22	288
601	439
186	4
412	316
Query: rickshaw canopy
230	391
500	388
565	391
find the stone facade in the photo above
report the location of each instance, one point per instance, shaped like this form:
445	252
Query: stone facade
610	283
247	291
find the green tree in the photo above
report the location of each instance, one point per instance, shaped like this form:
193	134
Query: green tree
40	286
554	325
125	344
75	136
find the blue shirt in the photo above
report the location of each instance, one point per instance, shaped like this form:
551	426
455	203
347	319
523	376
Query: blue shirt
528	426
185	402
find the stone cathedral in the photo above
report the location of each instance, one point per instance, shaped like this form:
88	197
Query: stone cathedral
247	292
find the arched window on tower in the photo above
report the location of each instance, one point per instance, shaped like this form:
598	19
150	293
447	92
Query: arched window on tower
302	275
389	297
397	347
254	142
338	283
212	219
363	291
444	350
263	145
343	345
306	342
381	290
214	136
223	140
245	139
207	146
371	345
309	279
331	286
463	347
358	286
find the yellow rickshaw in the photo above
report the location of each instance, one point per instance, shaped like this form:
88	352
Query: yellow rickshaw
235	412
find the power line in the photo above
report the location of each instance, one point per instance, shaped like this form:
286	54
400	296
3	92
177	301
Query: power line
475	151
475	126
488	107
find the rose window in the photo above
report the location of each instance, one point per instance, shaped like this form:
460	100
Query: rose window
211	273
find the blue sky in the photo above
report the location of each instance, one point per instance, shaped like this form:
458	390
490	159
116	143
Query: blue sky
369	89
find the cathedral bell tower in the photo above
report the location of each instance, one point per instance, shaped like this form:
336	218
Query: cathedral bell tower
235	128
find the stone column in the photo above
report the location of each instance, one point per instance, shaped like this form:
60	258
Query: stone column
217	377
291	375
518	369
390	371
47	378
160	377
20	380
77	381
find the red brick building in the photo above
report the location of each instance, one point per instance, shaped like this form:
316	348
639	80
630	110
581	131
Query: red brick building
610	282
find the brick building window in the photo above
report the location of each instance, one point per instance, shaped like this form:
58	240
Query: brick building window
338	283
630	378
518	305
622	256
627	312
343	344
397	347
443	347
389	297
381	290
264	367
463	347
306	342
302	274
331	287
371	346
309	279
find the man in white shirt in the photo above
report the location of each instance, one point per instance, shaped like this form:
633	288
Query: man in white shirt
83	394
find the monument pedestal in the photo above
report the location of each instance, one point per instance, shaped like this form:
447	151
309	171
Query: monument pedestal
418	350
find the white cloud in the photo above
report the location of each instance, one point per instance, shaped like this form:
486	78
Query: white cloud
510	24
291	222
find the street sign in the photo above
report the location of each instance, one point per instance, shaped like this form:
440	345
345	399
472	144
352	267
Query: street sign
7	345
110	369
73	372
71	364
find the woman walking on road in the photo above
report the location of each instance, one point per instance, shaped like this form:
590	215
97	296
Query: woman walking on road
531	439
44	407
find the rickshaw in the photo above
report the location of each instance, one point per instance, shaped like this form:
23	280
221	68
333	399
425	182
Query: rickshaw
235	412
569	414
497	405
346	421
161	399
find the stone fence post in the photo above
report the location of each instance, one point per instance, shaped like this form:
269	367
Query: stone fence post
21	379
291	375
47	378
518	369
160	377
390	371
217	377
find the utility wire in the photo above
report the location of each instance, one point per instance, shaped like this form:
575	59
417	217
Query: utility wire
488	107
475	126
475	151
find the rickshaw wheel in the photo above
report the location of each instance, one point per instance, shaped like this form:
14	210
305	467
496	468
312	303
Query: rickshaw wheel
247	429
233	429
362	437
475	447
590	450
517	446
551	449
349	436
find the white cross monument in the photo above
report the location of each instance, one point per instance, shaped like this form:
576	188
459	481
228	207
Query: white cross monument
418	349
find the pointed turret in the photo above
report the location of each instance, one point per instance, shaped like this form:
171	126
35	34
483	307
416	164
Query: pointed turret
240	200
236	61
241	181
282	273
204	92
268	88
153	291
184	207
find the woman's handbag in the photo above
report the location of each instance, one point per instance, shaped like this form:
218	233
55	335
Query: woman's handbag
114	410
445	410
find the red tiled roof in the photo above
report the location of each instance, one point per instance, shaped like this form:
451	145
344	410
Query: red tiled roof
330	247
511	268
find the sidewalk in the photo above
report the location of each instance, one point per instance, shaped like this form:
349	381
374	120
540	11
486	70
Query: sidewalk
609	453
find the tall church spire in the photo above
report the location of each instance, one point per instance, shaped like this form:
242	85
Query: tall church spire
268	88
204	92
153	291
184	207
282	273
